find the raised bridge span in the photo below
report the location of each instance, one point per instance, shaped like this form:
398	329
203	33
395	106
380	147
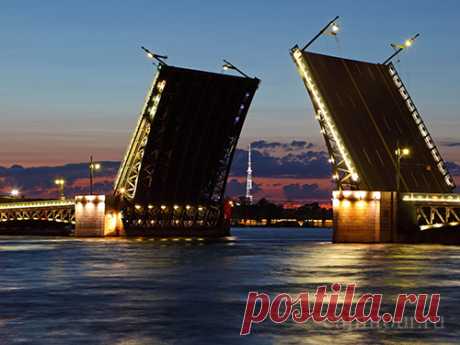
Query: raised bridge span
172	179
368	120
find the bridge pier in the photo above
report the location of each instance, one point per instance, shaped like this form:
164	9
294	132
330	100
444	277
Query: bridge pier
382	217
96	216
364	216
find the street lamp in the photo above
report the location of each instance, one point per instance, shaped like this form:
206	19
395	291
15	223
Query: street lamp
14	193
335	28
60	183
400	47
154	56
331	28
92	168
400	152
228	65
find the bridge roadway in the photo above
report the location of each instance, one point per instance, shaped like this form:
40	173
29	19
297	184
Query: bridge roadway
58	211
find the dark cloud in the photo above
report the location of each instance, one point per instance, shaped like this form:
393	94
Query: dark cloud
36	181
454	168
452	144
302	144
306	164
236	188
293	145
305	191
262	144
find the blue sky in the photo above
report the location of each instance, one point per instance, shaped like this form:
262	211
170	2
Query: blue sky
73	77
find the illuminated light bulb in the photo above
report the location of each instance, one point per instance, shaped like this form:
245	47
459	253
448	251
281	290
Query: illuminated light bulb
361	204
163	207
187	207
361	194
335	28
354	177
408	43
176	207
200	208
347	193
161	85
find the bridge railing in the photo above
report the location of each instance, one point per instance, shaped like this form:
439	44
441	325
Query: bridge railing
37	204
432	198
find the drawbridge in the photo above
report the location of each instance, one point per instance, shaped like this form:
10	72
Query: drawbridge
172	179
366	118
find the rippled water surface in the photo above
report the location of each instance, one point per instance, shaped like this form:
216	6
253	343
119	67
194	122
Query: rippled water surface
72	291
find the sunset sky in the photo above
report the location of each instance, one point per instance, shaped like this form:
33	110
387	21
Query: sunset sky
73	77
73	80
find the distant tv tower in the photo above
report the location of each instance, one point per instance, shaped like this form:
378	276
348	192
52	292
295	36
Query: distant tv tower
249	178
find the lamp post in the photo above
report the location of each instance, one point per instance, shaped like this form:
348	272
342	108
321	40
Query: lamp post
334	28
228	65
60	183
92	168
400	47
154	56
400	153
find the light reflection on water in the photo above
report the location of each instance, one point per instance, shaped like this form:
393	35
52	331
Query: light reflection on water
144	291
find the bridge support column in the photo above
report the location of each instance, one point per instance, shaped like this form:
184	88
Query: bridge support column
364	216
95	216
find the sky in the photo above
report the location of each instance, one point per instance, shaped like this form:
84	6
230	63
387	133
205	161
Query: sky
73	78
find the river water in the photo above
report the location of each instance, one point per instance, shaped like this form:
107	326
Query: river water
133	292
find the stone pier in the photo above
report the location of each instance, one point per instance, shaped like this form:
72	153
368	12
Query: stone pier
95	216
364	216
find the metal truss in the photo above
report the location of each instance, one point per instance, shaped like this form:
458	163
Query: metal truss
437	216
128	174
51	211
435	210
344	170
344	177
216	187
172	216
